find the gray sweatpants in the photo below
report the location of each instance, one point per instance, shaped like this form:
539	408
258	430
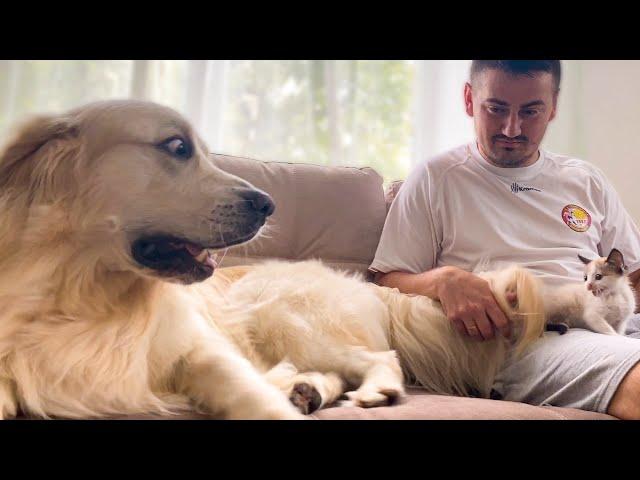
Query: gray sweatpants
580	369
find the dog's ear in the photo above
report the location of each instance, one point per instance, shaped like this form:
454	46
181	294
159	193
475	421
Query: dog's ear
33	158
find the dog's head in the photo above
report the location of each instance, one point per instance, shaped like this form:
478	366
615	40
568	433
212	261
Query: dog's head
132	183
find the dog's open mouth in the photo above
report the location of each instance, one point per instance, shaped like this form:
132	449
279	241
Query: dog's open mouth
175	257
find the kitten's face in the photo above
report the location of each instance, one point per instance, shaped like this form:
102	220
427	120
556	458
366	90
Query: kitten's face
599	277
604	275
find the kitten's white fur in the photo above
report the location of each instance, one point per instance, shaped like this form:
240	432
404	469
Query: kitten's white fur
603	305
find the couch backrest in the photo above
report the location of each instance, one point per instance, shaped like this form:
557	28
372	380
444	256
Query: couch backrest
332	213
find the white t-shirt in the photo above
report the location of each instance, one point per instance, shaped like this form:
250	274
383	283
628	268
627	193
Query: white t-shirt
458	209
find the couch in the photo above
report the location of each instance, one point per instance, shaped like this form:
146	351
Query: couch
336	214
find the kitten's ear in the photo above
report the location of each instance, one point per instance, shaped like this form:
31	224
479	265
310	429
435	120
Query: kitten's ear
616	260
586	261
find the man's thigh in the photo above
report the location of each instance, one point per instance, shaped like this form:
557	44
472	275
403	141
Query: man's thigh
579	369
633	326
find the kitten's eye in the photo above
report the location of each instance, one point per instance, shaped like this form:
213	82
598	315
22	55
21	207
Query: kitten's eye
177	147
598	276
585	278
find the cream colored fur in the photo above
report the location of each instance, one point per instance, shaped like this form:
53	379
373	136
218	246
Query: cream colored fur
327	321
85	331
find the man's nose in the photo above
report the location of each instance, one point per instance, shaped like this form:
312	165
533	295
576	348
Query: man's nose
512	128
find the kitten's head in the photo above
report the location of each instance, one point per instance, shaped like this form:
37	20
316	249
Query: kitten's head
604	275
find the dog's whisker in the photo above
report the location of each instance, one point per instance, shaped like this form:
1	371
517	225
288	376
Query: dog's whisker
220	233
224	254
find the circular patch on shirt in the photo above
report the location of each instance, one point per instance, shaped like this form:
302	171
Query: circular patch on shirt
576	218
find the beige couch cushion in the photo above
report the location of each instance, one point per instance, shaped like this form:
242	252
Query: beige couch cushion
419	405
332	213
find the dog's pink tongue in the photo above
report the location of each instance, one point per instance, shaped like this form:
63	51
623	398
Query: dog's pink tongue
194	250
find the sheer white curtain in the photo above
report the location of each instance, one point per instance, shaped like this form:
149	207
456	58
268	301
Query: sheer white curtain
385	114
197	88
388	114
440	118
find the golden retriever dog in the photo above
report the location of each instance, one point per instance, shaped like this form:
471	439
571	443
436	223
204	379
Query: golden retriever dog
109	304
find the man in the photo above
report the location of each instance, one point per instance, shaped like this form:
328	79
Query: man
501	199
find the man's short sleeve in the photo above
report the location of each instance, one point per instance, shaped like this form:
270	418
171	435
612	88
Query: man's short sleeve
409	238
618	228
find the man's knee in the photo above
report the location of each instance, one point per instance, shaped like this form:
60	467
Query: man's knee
626	401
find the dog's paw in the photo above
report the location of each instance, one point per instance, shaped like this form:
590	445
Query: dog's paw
369	397
306	398
8	404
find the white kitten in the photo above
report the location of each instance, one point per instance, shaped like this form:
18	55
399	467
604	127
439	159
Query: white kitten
603	303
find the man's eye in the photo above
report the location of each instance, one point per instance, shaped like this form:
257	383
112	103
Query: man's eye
530	113
496	110
177	147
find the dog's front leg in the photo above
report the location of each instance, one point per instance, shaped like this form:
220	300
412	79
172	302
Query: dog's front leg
8	401
221	380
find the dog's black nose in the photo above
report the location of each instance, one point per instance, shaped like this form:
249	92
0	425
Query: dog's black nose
260	201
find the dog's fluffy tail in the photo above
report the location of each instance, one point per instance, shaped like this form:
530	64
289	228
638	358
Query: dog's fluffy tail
527	312
436	356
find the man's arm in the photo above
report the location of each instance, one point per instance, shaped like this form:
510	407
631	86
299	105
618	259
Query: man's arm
420	283
409	243
635	283
466	299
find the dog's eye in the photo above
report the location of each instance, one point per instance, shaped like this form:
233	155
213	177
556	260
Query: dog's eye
177	147
598	276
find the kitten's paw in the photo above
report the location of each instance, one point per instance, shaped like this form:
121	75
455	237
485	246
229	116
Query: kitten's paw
605	329
561	328
610	332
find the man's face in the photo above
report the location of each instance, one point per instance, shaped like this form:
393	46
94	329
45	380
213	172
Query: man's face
511	114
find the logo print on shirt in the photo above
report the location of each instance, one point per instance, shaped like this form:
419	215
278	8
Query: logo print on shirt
576	218
515	188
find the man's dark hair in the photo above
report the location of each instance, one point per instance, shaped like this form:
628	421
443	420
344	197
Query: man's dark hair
519	67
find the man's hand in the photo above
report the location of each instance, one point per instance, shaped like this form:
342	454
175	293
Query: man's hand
466	299
468	302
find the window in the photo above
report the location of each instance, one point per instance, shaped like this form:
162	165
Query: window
328	112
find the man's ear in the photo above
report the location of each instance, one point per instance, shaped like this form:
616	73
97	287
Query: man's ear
468	99
33	159
554	107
